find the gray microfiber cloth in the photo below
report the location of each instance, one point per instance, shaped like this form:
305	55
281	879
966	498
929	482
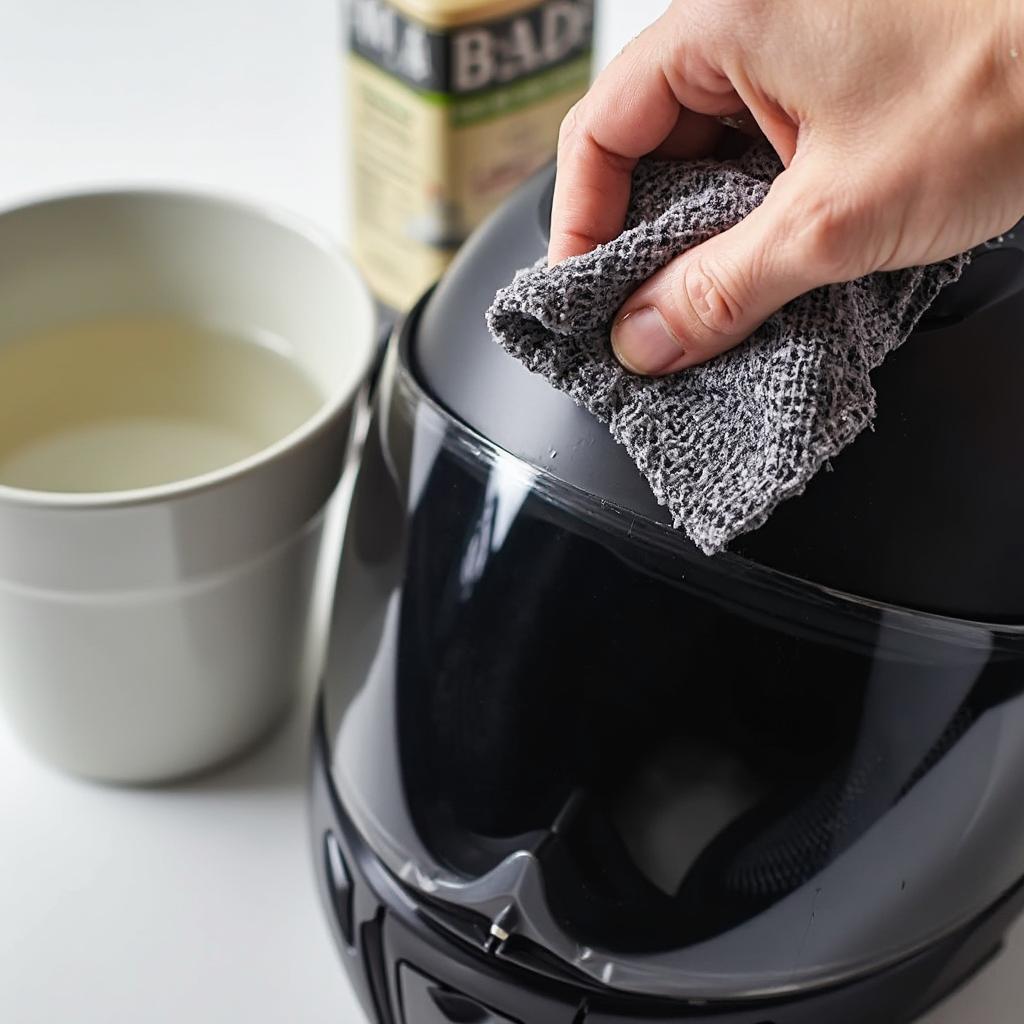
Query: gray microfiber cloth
722	444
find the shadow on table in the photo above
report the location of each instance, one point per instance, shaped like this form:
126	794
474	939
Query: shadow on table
279	759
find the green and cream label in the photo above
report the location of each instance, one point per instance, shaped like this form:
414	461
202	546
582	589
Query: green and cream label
448	121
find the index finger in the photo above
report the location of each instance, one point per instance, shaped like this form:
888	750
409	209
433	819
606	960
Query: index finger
632	108
628	112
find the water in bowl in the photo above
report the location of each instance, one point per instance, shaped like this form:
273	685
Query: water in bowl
130	402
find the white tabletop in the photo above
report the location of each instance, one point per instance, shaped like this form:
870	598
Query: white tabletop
196	902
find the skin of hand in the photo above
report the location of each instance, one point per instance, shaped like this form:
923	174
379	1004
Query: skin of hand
900	125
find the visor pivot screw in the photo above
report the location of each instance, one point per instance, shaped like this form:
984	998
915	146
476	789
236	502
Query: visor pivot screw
501	930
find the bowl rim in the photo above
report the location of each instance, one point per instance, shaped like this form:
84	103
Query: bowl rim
335	400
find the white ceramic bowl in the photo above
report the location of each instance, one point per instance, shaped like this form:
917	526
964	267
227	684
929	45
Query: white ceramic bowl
149	634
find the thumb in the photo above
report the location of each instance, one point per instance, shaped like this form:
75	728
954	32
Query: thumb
714	296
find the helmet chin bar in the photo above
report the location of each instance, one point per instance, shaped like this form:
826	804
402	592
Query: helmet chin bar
414	961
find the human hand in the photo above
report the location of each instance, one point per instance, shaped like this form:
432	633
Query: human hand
901	127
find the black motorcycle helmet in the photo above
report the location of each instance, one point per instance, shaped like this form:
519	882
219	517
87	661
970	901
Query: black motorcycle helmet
569	770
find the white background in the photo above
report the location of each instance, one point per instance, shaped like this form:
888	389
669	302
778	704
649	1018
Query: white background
196	903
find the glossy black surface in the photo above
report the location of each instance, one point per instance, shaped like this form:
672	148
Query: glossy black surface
654	764
924	512
407	964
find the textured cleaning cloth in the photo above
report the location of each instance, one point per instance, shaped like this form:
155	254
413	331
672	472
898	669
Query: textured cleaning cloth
722	444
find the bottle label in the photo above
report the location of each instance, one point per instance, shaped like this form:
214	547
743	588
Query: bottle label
447	121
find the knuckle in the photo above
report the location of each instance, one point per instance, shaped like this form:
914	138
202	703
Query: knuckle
569	128
577	140
713	297
828	230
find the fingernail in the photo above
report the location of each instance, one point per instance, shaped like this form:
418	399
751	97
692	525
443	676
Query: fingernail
643	343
